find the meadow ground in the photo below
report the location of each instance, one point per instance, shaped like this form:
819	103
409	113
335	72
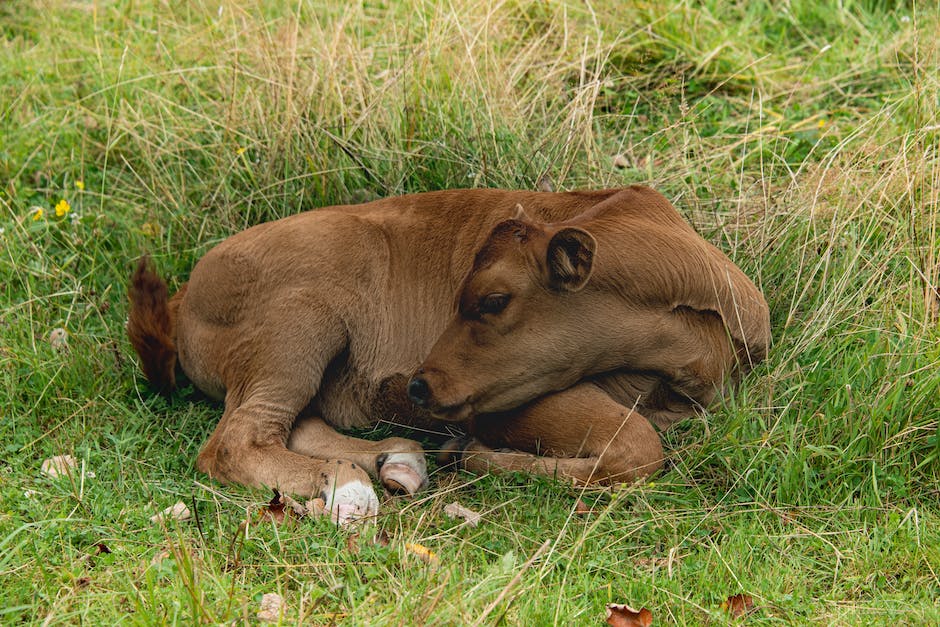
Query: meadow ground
801	137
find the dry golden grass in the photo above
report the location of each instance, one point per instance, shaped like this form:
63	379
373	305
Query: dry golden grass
801	137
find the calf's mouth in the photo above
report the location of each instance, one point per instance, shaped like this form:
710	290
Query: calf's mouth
422	393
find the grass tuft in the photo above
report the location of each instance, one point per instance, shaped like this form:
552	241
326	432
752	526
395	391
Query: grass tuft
799	137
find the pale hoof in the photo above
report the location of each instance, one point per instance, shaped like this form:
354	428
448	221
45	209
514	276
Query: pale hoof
351	502
403	473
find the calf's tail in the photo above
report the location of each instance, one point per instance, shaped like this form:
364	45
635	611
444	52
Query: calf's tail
151	326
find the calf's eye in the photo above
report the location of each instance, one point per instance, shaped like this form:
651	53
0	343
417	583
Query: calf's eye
493	303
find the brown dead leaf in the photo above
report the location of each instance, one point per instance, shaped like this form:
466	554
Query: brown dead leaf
101	548
82	582
59	339
644	162
620	615
738	605
381	538
58	466
456	510
274	510
581	508
283	508
179	511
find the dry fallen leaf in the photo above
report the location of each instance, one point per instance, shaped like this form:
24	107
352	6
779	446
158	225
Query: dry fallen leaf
456	510
58	466
272	608
738	605
179	511
581	508
381	538
282	507
59	339
620	615
645	161
274	510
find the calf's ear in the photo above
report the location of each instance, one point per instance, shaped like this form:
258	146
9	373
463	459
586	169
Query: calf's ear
519	213
570	259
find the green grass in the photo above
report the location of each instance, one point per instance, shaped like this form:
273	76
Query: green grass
800	137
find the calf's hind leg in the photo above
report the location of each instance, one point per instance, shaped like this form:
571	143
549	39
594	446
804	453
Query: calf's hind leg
580	433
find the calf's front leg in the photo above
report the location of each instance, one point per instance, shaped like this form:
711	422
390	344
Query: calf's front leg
580	433
397	462
249	447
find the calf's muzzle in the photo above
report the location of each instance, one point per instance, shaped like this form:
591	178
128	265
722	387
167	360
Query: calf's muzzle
418	390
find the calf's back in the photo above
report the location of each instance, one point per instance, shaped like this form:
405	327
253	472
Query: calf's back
390	270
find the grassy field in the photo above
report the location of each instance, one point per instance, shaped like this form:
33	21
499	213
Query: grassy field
801	137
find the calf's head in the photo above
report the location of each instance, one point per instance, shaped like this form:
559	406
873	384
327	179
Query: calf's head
522	323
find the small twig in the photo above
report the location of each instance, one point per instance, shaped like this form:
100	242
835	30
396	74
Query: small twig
345	147
512	583
195	511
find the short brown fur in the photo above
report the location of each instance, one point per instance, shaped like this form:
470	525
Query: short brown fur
150	327
317	321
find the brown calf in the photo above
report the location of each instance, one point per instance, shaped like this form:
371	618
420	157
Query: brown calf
582	320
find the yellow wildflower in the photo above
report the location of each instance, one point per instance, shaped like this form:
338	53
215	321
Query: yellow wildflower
150	229
241	150
821	123
37	213
80	185
62	208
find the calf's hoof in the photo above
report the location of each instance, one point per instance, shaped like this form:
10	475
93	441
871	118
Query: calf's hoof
403	473
347	492
351	502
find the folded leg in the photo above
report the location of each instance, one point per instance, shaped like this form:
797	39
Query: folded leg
265	391
397	462
580	433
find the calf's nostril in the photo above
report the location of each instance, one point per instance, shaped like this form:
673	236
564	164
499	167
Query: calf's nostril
418	391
